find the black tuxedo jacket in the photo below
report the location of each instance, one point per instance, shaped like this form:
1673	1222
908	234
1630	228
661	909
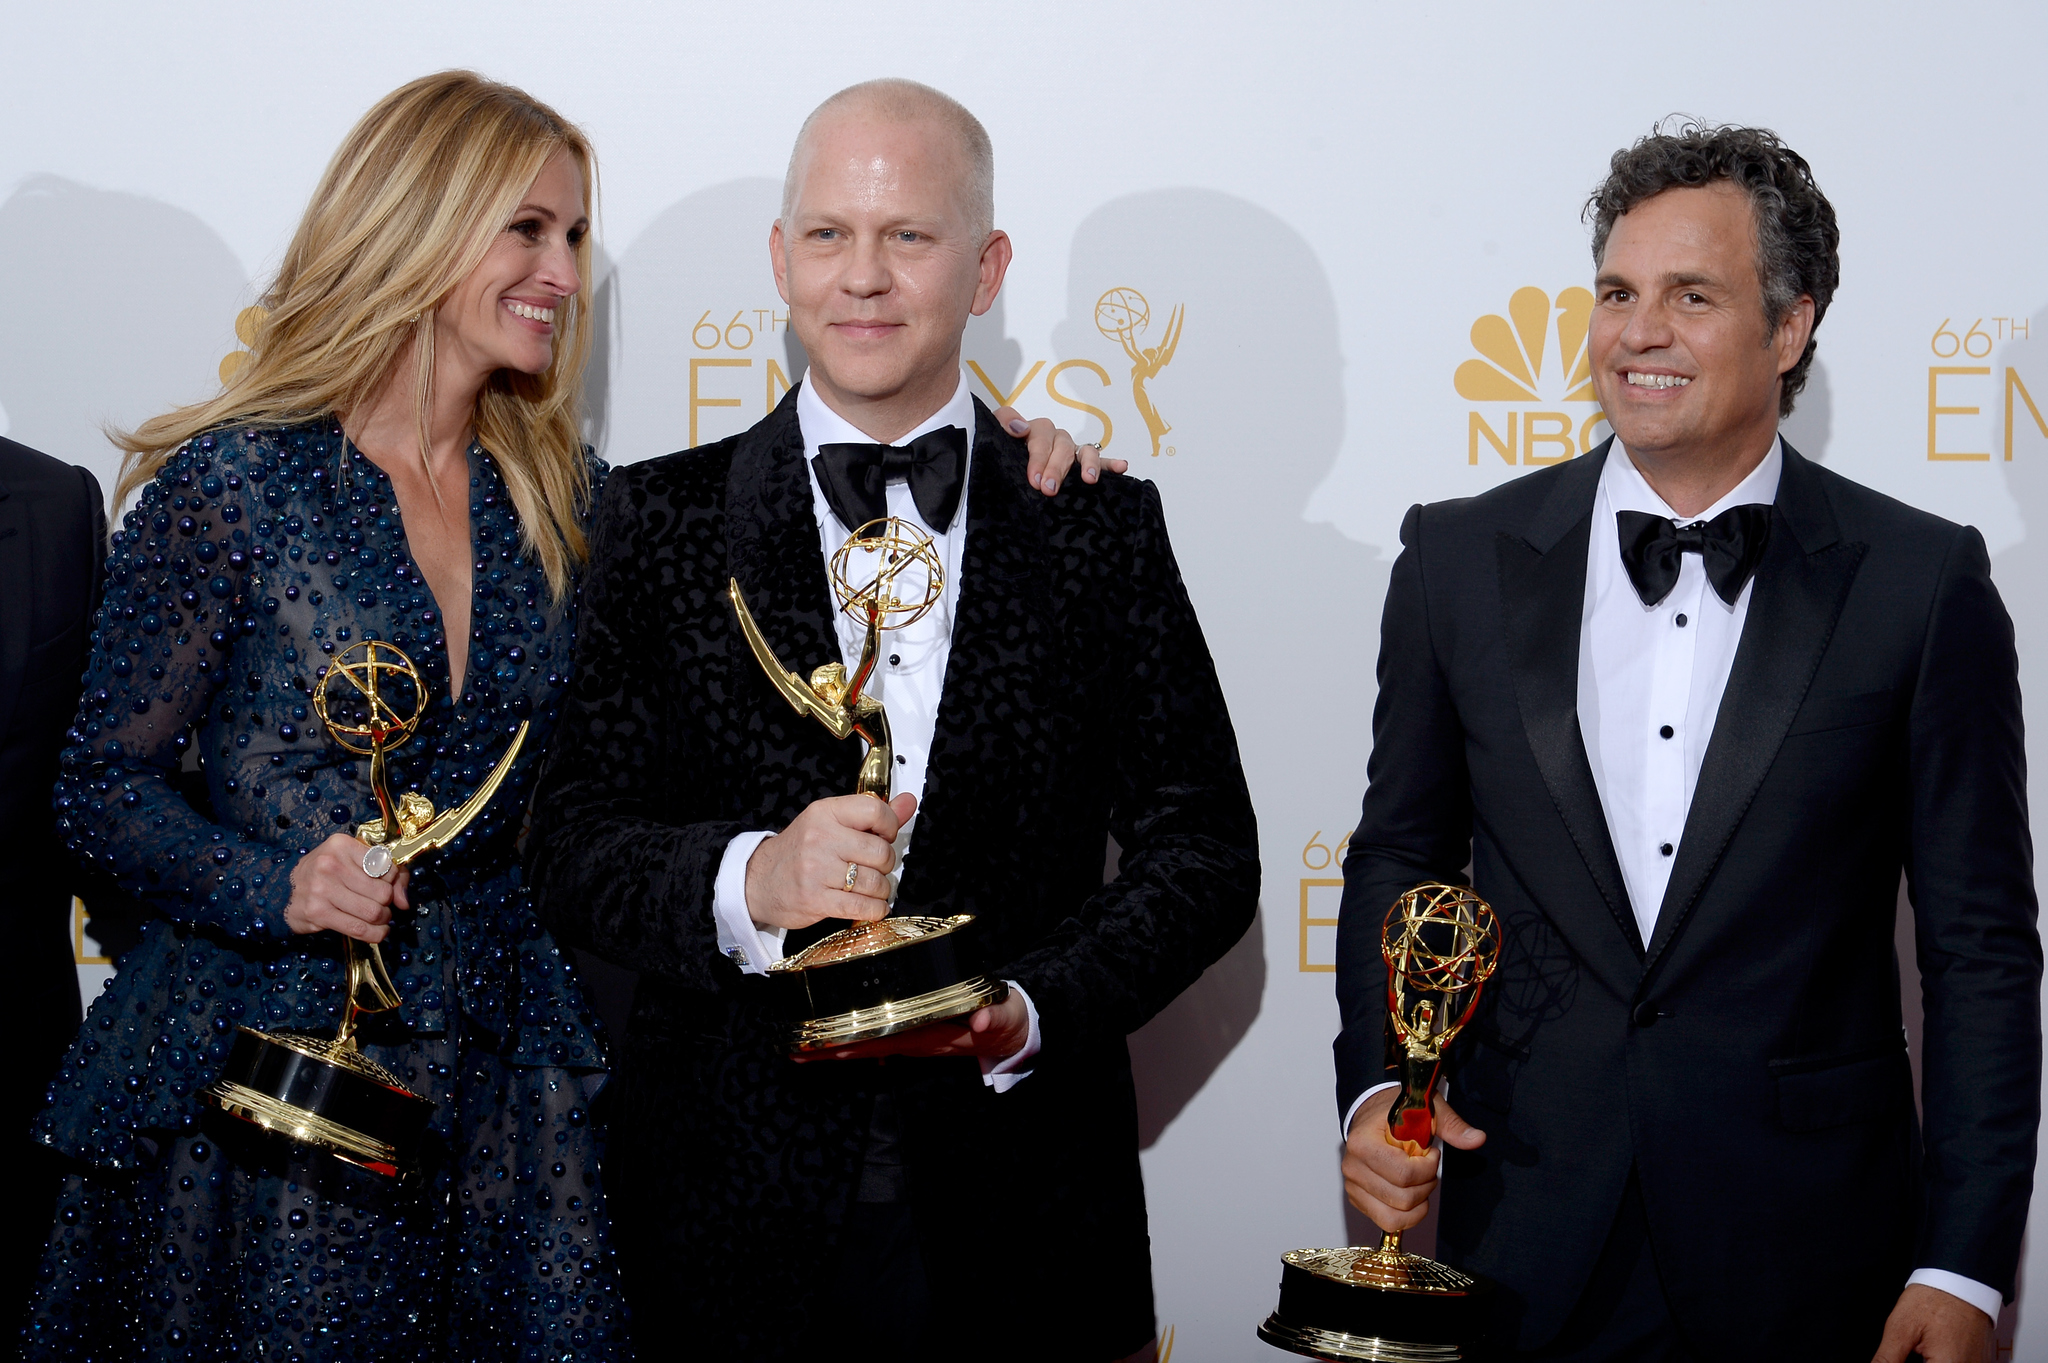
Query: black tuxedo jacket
52	542
1079	701
1748	1061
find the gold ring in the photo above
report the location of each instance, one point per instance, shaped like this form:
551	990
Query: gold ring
852	874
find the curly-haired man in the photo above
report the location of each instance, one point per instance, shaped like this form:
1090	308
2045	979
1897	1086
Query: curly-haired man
1688	706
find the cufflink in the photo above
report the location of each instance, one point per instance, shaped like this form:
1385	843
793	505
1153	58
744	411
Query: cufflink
737	956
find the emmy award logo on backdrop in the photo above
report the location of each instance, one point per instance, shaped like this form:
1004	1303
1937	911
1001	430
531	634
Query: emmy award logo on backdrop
1123	315
732	364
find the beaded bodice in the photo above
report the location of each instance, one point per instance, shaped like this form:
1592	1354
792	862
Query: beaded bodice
198	771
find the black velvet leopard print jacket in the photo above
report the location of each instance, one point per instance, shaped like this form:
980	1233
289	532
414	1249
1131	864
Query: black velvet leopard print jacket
1080	702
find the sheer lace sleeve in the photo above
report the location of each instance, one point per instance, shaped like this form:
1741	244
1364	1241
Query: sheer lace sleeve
180	602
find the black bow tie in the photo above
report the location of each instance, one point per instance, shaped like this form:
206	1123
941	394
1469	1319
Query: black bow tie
856	477
1730	545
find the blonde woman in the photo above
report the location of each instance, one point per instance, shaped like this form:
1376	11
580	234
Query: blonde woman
399	459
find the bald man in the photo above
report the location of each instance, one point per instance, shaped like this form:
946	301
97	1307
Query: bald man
973	1186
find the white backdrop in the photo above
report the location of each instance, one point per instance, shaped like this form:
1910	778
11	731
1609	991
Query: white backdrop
1369	217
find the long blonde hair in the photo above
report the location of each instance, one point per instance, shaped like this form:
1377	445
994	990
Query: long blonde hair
410	204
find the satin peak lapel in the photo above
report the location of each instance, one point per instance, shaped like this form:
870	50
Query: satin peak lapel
1799	591
1543	602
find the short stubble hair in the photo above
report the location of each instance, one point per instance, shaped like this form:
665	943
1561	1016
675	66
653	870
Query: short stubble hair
894	100
1798	244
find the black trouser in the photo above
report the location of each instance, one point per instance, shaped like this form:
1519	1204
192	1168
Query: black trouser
878	1304
1622	1316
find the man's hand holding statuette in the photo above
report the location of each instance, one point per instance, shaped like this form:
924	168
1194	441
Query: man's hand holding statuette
801	875
1386	1183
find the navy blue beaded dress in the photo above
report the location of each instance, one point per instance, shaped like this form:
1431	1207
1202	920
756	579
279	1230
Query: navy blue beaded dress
182	1233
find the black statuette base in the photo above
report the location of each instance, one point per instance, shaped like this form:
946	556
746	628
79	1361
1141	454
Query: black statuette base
1330	1317
868	982
347	1107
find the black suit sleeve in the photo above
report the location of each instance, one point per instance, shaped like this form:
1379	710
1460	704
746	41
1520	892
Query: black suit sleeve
1188	882
37	899
95	555
1969	869
1416	824
622	857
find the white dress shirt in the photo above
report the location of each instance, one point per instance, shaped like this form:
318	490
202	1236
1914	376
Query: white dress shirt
908	680
1650	684
1651	677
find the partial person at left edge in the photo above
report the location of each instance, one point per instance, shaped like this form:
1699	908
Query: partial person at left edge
53	524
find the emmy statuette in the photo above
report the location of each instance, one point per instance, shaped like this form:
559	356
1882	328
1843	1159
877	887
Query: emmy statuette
878	978
324	1091
1441	944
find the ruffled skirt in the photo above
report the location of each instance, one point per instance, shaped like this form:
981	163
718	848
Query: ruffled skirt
230	1243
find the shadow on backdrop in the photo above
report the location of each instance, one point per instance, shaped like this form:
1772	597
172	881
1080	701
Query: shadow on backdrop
793	356
1254	398
707	252
989	345
604	347
127	311
1812	421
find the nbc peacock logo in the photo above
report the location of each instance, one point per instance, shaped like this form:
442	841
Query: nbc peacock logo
248	322
1535	357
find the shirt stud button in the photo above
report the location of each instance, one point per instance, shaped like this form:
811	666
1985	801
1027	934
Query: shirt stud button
901	759
1666	731
1681	622
895	660
1665	848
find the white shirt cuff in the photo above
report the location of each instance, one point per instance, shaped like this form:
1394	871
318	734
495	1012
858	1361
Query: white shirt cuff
1985	1299
1004	1075
741	940
1344	1133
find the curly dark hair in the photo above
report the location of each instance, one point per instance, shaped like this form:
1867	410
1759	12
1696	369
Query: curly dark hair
1797	240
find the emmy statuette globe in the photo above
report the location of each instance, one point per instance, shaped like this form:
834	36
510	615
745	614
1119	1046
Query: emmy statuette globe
1122	313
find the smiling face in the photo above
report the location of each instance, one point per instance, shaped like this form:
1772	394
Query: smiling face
881	261
502	315
1683	360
